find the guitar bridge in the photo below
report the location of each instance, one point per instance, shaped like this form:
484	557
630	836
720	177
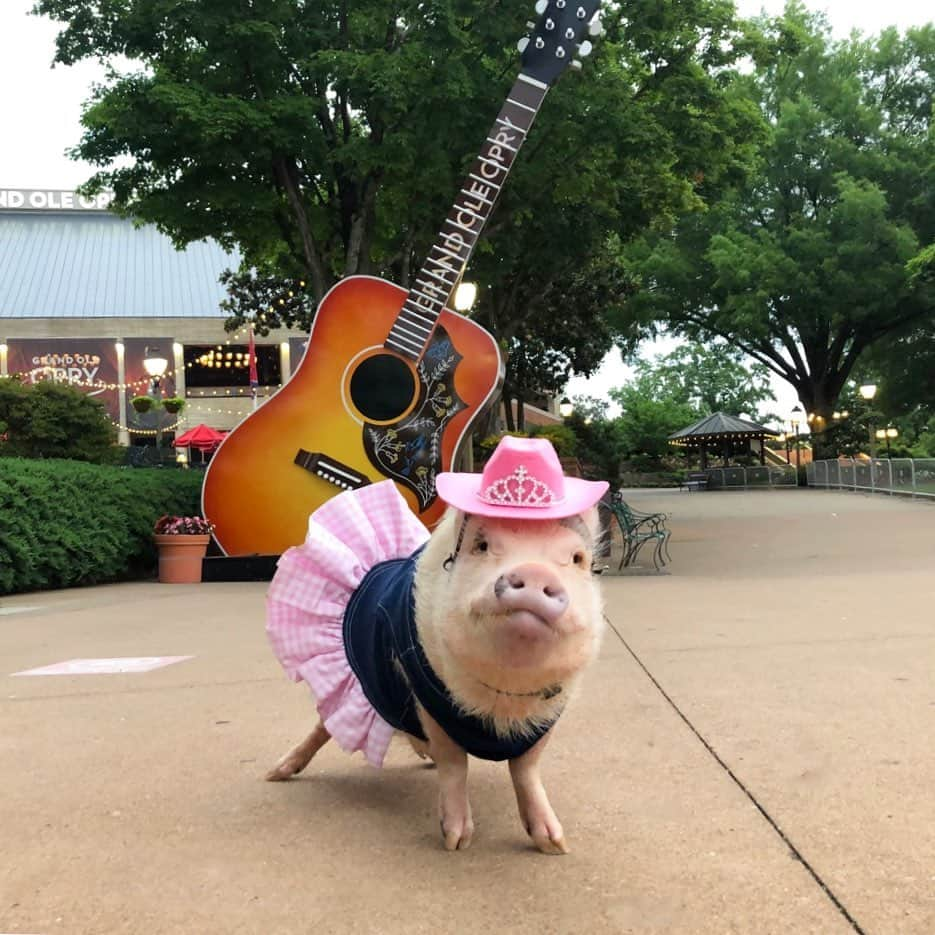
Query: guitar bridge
342	476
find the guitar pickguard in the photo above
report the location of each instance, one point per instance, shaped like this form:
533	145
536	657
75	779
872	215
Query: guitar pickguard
409	451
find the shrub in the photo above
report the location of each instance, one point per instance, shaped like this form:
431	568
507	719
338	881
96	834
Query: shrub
63	523
54	420
561	436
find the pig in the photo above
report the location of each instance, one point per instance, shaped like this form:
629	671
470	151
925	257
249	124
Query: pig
503	615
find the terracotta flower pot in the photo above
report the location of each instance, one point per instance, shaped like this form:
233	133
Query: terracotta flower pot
180	558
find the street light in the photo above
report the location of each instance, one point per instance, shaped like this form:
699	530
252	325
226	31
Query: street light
155	366
867	392
565	407
465	295
794	422
887	434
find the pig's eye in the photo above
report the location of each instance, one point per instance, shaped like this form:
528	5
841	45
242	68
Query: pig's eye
578	558
481	545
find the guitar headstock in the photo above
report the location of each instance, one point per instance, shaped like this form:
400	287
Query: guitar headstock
558	37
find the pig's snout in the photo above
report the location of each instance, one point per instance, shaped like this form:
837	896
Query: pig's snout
533	588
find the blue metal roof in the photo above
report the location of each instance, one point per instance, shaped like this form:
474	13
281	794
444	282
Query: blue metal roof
97	265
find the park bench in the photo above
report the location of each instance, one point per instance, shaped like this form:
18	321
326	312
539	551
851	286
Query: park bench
695	480
637	529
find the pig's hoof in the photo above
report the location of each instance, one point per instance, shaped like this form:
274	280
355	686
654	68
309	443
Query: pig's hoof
548	837
457	834
550	846
286	768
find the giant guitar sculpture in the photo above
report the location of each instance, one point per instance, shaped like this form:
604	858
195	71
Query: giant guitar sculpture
391	381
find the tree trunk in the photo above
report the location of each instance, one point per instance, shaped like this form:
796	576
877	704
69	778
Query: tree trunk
819	399
287	177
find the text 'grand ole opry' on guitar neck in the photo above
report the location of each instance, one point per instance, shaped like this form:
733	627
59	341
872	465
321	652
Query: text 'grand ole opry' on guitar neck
391	381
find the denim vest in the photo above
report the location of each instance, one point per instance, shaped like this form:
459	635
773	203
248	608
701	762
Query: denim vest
380	639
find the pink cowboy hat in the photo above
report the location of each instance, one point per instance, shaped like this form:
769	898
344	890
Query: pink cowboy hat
522	480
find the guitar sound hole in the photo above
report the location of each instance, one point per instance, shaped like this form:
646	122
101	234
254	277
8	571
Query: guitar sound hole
382	388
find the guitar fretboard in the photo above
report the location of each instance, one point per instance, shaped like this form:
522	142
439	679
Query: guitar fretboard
456	240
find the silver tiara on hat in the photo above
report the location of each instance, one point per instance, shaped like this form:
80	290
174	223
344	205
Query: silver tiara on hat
519	489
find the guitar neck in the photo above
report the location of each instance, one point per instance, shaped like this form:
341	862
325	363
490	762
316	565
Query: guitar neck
455	243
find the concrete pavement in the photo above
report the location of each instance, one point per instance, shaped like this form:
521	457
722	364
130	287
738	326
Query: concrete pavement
751	754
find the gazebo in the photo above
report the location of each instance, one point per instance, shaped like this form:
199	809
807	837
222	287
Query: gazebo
721	432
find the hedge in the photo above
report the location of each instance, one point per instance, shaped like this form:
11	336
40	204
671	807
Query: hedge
66	523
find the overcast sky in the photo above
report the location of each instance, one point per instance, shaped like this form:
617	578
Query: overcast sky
42	106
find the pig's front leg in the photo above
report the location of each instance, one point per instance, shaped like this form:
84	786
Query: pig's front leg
454	809
534	808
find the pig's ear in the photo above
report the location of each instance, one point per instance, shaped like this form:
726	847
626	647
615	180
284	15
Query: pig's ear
592	520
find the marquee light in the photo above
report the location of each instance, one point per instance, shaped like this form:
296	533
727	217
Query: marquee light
89	384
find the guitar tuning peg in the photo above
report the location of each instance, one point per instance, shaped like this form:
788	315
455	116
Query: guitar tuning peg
576	64
521	45
585	49
596	27
541	6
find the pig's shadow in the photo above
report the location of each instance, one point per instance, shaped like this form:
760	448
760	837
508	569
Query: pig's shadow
401	799
400	795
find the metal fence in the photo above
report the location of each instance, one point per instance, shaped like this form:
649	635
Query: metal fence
743	478
912	476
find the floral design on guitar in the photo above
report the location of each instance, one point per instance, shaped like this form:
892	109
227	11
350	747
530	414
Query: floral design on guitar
409	451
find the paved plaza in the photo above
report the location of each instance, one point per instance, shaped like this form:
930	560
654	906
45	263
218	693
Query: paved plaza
751	754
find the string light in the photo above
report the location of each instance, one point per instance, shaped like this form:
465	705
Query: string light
134	431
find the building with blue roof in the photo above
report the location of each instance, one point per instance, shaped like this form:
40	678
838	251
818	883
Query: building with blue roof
86	296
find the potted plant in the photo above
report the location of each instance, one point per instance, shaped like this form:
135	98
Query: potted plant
142	403
173	404
182	542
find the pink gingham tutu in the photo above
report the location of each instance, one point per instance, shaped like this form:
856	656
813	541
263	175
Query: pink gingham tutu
313	583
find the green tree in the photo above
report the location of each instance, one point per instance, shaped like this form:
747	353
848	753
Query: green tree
599	444
652	409
810	262
711	377
322	142
53	420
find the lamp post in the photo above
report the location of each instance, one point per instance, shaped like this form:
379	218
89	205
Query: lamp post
565	407
885	435
155	366
794	421
867	392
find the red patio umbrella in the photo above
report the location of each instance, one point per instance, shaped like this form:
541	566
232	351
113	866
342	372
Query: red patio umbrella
202	437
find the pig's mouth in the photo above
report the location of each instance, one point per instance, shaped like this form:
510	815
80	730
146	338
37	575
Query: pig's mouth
527	624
